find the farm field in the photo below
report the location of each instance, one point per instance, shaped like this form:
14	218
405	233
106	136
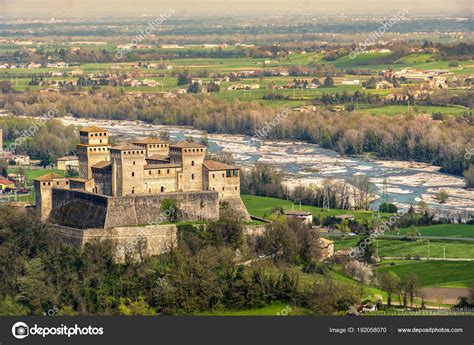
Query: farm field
433	273
418	248
273	309
260	206
402	109
31	174
445	230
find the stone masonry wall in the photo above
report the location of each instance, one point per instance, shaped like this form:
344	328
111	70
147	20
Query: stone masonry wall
146	209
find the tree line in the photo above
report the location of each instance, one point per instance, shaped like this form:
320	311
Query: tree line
405	137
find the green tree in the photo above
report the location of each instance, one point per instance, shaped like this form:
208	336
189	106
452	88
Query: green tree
390	282
8	307
328	82
442	196
469	176
169	209
195	88
137	307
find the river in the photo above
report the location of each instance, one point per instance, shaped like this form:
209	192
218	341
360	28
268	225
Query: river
407	183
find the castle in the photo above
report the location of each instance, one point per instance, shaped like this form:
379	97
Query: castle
121	189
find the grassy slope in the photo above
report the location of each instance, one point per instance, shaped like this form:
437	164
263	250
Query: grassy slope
446	230
402	109
259	206
434	273
273	309
397	248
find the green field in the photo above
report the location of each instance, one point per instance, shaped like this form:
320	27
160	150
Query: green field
445	230
35	173
403	109
419	248
433	273
274	309
261	206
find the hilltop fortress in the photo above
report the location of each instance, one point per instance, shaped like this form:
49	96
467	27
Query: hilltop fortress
123	189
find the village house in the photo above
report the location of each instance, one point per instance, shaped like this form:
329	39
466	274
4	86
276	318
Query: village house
305	216
384	85
68	163
4	184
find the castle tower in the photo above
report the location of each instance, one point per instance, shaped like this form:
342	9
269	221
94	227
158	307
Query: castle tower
128	169
191	157
93	148
153	146
44	192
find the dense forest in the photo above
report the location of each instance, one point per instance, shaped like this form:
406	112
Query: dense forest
406	137
40	273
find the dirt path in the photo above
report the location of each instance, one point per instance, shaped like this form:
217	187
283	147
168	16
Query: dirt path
444	295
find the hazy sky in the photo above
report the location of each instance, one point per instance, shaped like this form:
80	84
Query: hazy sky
57	8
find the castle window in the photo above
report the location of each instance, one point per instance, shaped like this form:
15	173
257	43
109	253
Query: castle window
149	190
101	141
228	173
168	171
149	172
213	175
222	188
213	188
133	174
192	163
162	189
133	162
67	182
222	175
57	183
159	172
133	190
192	176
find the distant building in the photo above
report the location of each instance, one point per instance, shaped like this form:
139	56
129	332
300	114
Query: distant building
326	248
350	82
4	184
305	216
68	163
21	159
384	85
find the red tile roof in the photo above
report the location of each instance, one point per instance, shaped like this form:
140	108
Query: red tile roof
214	165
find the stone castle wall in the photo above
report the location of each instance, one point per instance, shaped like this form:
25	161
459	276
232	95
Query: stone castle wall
146	209
134	242
84	210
